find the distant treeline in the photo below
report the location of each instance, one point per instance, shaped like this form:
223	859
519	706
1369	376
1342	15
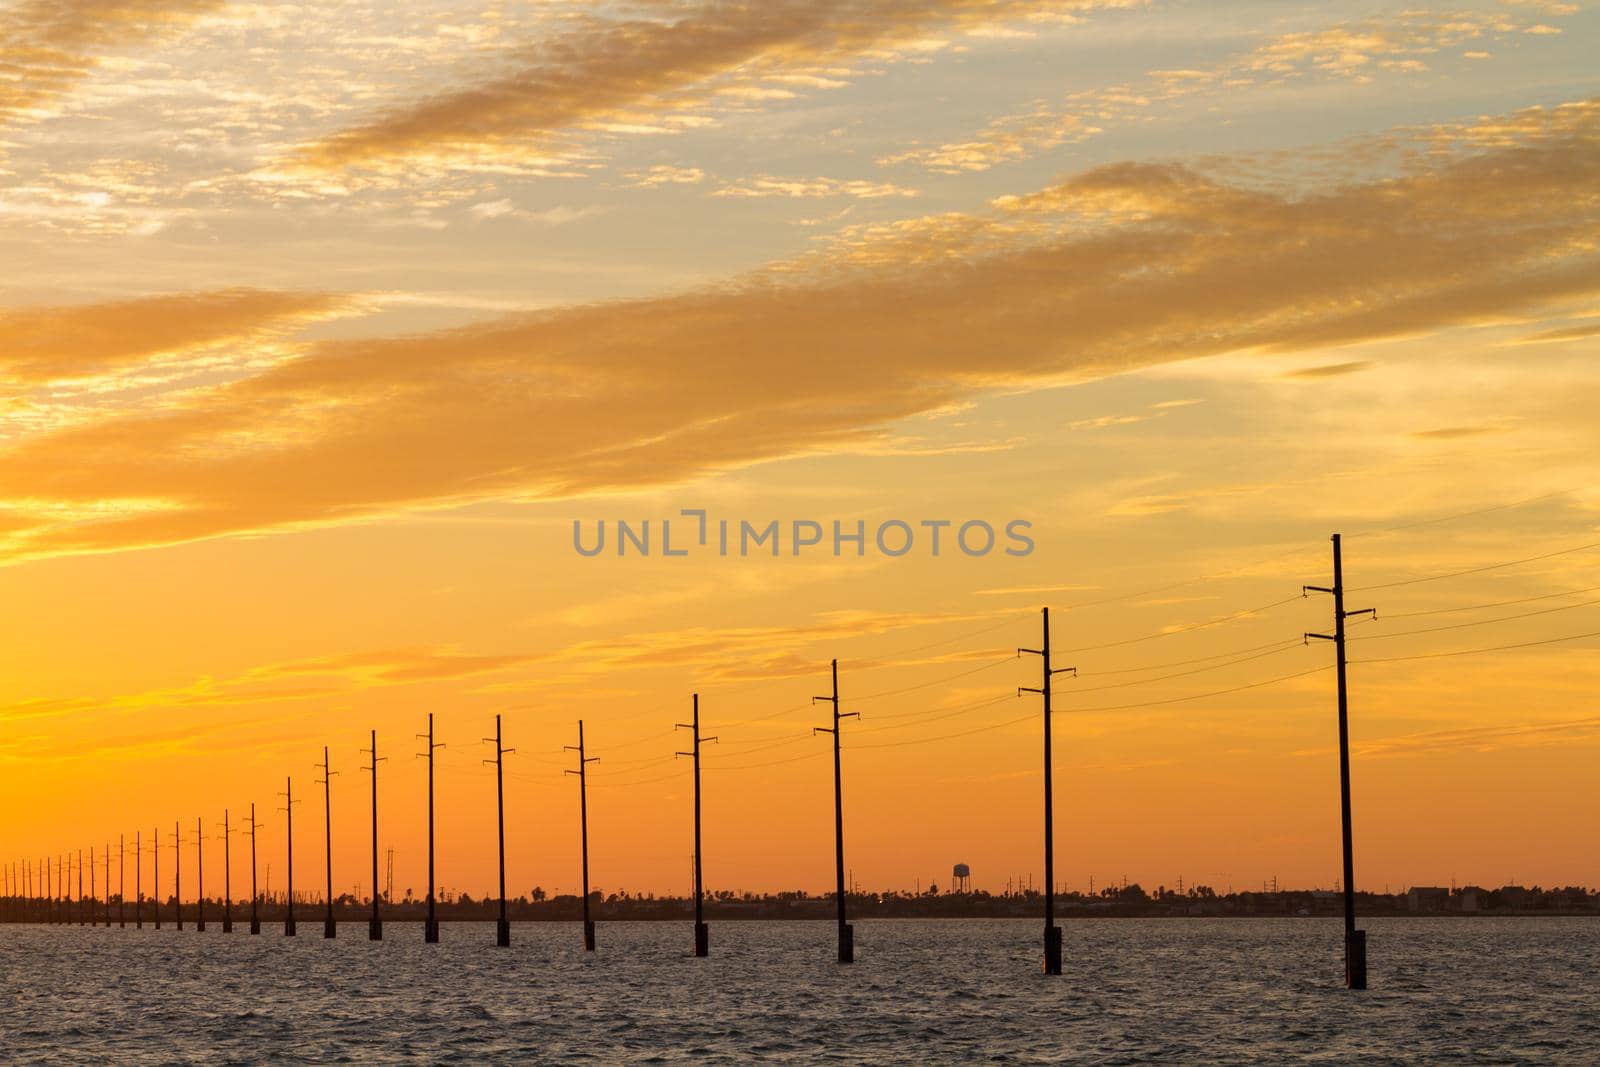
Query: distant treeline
1124	901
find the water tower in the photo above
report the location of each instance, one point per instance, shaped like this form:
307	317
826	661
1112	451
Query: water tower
961	875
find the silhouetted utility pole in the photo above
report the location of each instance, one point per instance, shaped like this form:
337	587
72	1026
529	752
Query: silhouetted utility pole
227	874
78	905
847	939
200	875
502	930
288	810
155	878
255	915
138	880
1052	932
583	829
375	924
94	897
702	933
430	926
107	855
177	873
329	927
1355	941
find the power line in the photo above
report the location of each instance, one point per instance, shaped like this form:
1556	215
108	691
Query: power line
1478	622
1286	646
1492	604
934	682
1187	662
1476	651
1478	570
1196	696
1187	629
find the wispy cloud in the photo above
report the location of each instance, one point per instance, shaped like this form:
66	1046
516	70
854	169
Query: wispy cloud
1138	264
49	46
661	73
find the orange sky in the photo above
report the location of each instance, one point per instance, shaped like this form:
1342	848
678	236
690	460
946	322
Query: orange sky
323	328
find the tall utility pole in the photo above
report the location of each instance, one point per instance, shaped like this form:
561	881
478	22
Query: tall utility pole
502	929
1052	932
375	924
702	933
583	828
227	874
329	927
138	880
122	880
78	906
177	873
288	810
94	897
107	855
1355	941
200	875
847	938
255	916
430	926
155	877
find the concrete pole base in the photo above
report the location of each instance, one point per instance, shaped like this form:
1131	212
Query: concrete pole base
1052	950
255	926
227	925
502	933
702	939
847	943
330	928
374	929
288	927
430	931
588	935
1355	959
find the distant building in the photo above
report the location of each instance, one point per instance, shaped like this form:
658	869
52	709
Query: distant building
1471	898
1427	898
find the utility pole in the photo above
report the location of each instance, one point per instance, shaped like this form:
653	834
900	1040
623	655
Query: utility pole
138	880
702	933
177	872
122	880
583	826
94	896
1355	941
227	874
502	929
329	927
78	905
288	810
107	854
155	878
430	926
255	916
200	875
375	924
847	938
1052	932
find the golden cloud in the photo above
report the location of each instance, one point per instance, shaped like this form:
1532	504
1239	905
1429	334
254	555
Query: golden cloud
639	73
48	46
1117	268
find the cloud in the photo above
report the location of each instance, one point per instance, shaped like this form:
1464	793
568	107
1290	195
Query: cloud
664	174
766	185
48	46
1329	370
72	341
651	74
1346	50
1113	269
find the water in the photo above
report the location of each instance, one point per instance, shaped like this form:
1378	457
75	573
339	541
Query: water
1263	990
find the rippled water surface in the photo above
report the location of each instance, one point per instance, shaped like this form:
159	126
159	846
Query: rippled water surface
1489	990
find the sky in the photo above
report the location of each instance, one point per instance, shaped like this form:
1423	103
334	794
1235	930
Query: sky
324	327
